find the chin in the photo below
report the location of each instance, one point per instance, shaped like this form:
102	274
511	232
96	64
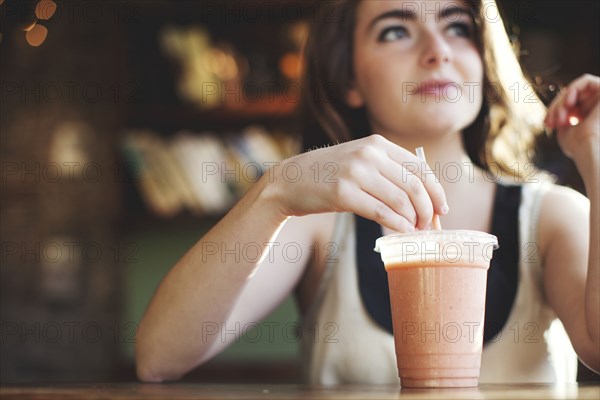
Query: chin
429	119
449	114
445	120
439	130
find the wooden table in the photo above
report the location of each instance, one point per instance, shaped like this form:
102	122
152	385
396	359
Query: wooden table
176	391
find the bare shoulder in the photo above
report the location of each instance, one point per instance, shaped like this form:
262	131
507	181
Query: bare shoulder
564	214
560	203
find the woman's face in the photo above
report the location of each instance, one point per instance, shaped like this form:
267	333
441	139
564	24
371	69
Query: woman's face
416	67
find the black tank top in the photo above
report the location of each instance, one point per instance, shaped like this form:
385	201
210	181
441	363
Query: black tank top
503	275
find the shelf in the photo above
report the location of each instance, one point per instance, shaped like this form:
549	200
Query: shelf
170	117
155	103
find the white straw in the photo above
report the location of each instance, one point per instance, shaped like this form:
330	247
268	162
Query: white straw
436	219
420	153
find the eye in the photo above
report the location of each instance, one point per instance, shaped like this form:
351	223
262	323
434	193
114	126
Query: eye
460	29
393	33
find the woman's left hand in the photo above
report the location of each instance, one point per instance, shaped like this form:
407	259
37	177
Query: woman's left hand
575	115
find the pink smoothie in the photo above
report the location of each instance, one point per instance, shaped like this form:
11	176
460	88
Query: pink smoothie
437	282
438	337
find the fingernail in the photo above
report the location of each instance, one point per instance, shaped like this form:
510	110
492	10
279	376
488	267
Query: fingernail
445	209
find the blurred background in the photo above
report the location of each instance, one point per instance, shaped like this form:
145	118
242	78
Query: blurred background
128	128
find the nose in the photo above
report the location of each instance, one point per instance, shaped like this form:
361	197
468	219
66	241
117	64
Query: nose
436	51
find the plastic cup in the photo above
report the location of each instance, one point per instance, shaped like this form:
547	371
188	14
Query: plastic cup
437	282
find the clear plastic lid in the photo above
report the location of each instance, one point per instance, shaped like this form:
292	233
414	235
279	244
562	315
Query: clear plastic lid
448	246
443	236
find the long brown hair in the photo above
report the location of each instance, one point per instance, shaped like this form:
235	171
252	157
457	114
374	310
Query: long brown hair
502	135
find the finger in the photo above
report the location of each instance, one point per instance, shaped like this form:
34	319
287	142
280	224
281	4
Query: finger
562	117
405	178
367	206
573	113
584	82
549	119
576	99
576	104
436	222
561	108
405	162
554	121
417	167
586	101
550	111
392	195
571	97
420	199
582	93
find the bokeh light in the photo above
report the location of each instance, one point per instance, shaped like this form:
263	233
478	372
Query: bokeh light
290	65
221	64
45	9
36	36
573	120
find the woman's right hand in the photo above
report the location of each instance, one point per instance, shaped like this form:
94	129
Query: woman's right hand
371	177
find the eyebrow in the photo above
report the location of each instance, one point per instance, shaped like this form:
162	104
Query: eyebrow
404	14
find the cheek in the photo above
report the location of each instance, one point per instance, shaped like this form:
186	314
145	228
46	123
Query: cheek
472	67
472	72
380	81
376	70
367	75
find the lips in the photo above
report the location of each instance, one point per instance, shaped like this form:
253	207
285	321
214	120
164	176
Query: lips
434	86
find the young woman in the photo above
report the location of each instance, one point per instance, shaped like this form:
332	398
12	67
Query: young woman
432	74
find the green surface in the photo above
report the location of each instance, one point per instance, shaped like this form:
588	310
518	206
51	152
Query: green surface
159	247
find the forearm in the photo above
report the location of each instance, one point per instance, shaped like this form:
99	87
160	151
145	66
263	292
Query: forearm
589	168
203	287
